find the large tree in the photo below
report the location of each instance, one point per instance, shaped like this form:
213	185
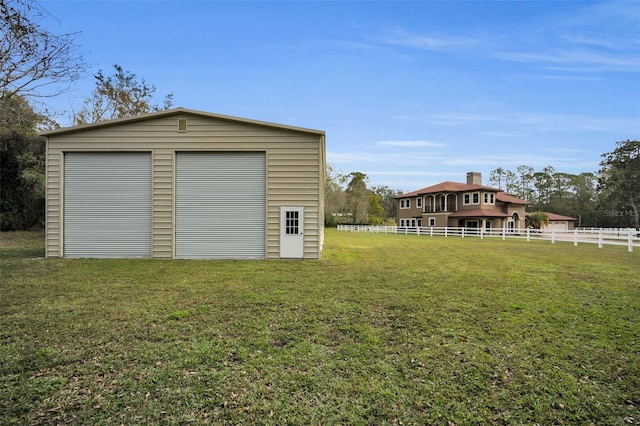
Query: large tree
17	114
524	187
334	196
22	164
387	201
34	62
619	183
119	95
357	195
22	187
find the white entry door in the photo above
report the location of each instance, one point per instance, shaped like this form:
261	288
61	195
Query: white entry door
291	232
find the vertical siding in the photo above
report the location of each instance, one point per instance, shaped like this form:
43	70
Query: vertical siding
295	171
163	196
53	214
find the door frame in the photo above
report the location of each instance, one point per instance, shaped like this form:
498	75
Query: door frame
292	232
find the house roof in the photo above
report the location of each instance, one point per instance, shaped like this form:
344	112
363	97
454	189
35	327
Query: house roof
478	213
556	217
464	187
176	111
508	198
448	187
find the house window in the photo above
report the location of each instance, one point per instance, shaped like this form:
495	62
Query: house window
405	203
432	221
489	198
419	202
419	223
471	198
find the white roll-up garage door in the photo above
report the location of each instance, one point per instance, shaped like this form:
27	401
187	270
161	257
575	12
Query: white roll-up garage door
220	205
107	204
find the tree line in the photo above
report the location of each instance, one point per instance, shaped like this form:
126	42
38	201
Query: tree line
607	198
348	200
36	64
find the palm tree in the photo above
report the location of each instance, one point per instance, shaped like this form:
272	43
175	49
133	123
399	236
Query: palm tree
537	219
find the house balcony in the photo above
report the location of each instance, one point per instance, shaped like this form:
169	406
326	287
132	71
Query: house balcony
429	209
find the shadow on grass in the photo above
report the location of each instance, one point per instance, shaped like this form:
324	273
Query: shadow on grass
22	253
22	245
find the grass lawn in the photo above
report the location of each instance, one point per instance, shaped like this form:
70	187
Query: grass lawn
385	329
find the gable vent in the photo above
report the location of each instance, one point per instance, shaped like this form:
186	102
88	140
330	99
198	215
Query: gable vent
182	125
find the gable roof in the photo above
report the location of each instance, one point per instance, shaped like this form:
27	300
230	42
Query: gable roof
176	111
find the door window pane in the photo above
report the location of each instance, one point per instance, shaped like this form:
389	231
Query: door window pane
292	223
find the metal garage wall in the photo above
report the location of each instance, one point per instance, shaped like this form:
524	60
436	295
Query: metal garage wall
220	205
107	204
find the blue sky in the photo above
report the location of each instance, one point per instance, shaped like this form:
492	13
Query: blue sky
410	93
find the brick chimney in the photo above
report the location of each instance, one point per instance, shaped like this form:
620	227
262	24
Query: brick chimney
474	178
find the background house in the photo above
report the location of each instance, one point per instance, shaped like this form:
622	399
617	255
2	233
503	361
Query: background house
469	204
558	222
185	184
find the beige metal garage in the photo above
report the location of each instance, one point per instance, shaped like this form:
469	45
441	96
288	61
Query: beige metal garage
185	184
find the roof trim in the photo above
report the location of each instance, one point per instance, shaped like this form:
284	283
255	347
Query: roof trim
478	213
175	111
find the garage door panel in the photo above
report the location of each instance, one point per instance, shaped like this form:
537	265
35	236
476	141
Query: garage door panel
220	205
107	205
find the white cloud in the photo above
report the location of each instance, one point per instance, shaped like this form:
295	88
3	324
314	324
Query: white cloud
413	173
499	134
388	158
575	60
410	143
403	38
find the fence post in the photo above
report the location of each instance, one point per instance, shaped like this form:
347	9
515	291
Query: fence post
431	231
462	235
481	233
553	236
504	233
575	238
528	234
631	231
600	238
418	230
445	231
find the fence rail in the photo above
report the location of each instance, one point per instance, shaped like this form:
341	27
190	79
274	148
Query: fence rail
602	236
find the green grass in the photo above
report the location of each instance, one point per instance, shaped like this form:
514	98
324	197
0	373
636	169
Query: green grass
385	329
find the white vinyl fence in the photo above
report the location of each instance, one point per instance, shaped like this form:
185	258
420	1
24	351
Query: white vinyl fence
601	236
